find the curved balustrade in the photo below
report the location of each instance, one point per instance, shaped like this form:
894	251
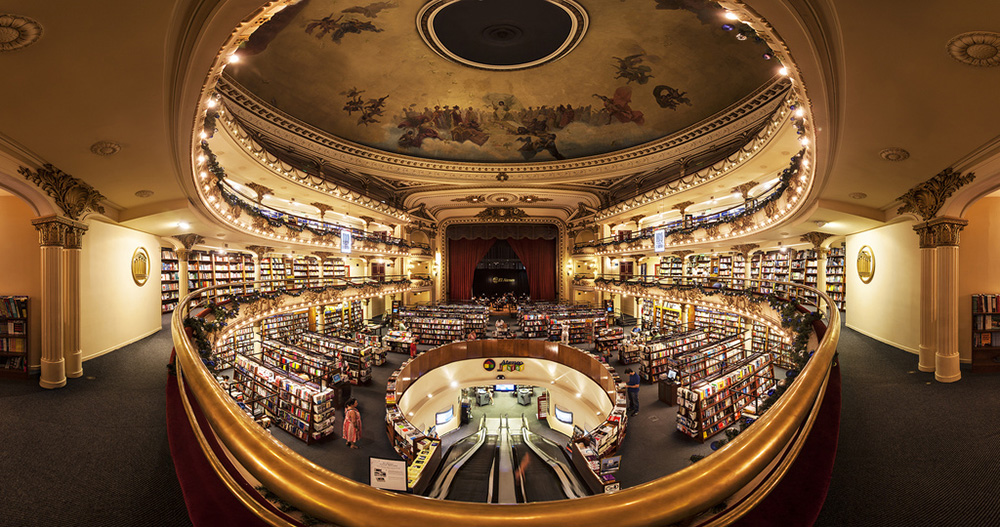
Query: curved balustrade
738	475
708	221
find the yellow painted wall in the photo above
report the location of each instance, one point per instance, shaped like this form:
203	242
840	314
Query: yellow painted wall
114	310
888	308
978	255
20	269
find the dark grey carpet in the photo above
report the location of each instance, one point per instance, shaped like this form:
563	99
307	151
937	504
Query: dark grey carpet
94	452
912	451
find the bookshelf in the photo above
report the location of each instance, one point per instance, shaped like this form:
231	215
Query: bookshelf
776	266
985	333
14	336
356	359
399	341
310	365
581	328
534	325
276	268
224	355
805	271
694	364
285	325
609	340
343	318
739	266
718	324
712	404
671	267
702	265
835	269
169	279
303	409
434	330
655	353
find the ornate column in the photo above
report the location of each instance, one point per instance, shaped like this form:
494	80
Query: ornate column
928	297
183	280
71	299
821	254
52	237
945	232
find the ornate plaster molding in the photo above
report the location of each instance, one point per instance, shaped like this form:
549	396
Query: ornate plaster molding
815	238
894	154
745	188
976	48
53	231
105	148
927	198
682	254
189	240
502	214
682	206
74	196
260	190
472	198
18	32
745	249
260	250
942	232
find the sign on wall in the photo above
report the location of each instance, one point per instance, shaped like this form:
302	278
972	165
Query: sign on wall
866	264
140	266
659	240
345	241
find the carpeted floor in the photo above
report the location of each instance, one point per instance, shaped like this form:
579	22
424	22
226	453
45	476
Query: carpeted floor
912	451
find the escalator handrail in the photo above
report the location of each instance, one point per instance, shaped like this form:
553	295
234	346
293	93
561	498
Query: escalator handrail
570	484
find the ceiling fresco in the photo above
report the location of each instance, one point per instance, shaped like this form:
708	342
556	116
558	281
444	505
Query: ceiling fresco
643	69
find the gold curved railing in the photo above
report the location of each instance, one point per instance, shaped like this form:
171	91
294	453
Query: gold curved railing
739	474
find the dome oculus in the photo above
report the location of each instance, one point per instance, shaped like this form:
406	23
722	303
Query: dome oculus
502	34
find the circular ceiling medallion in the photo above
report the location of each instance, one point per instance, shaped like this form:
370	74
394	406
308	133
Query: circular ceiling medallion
105	148
976	48
894	154
502	34
501	199
858	195
18	32
143	193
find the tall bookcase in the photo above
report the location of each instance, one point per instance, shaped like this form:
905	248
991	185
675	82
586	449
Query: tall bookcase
718	324
279	270
655	354
706	361
985	333
776	267
766	340
835	283
711	405
285	325
343	317
241	342
13	336
169	279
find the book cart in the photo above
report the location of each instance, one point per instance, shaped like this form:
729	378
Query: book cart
14	336
712	404
301	408
399	341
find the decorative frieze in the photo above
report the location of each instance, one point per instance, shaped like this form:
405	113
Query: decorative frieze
946	230
189	240
745	249
745	188
927	198
260	250
501	214
72	195
815	238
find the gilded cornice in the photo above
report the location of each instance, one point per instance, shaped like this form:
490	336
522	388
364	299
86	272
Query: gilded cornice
682	206
53	231
940	232
74	196
260	250
745	249
927	198
745	188
502	214
260	190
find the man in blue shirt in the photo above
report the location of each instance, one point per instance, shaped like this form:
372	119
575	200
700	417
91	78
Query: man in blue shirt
632	390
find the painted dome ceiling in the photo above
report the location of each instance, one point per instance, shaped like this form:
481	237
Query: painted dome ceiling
503	80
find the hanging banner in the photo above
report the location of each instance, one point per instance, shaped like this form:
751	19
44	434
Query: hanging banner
345	241
659	240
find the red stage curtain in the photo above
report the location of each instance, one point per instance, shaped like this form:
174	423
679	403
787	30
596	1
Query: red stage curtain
539	259
463	256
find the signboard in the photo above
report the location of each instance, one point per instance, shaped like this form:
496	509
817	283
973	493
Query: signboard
388	474
659	240
345	241
866	264
610	465
140	266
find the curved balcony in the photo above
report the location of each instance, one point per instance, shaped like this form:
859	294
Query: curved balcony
737	220
715	491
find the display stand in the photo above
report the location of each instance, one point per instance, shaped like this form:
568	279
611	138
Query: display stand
14	336
711	405
985	333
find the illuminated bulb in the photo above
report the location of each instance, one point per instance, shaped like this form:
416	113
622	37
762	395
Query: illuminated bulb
234	58
800	112
783	71
211	103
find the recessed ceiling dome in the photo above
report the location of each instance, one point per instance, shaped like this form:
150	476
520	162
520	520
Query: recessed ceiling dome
567	79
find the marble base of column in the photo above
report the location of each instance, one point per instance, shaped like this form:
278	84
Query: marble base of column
947	368
74	364
53	374
926	359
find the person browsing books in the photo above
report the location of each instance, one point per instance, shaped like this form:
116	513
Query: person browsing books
352	423
632	390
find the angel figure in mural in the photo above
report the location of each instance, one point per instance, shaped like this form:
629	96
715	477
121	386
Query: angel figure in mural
370	10
415	130
631	69
618	106
338	29
668	97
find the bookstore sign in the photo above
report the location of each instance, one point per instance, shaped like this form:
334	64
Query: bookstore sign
345	241
866	264
140	266
659	240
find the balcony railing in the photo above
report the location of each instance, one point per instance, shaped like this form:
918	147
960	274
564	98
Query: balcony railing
714	491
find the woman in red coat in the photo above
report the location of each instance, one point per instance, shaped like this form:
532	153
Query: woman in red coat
352	423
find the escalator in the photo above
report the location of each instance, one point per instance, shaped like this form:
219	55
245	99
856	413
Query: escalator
469	482
539	481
